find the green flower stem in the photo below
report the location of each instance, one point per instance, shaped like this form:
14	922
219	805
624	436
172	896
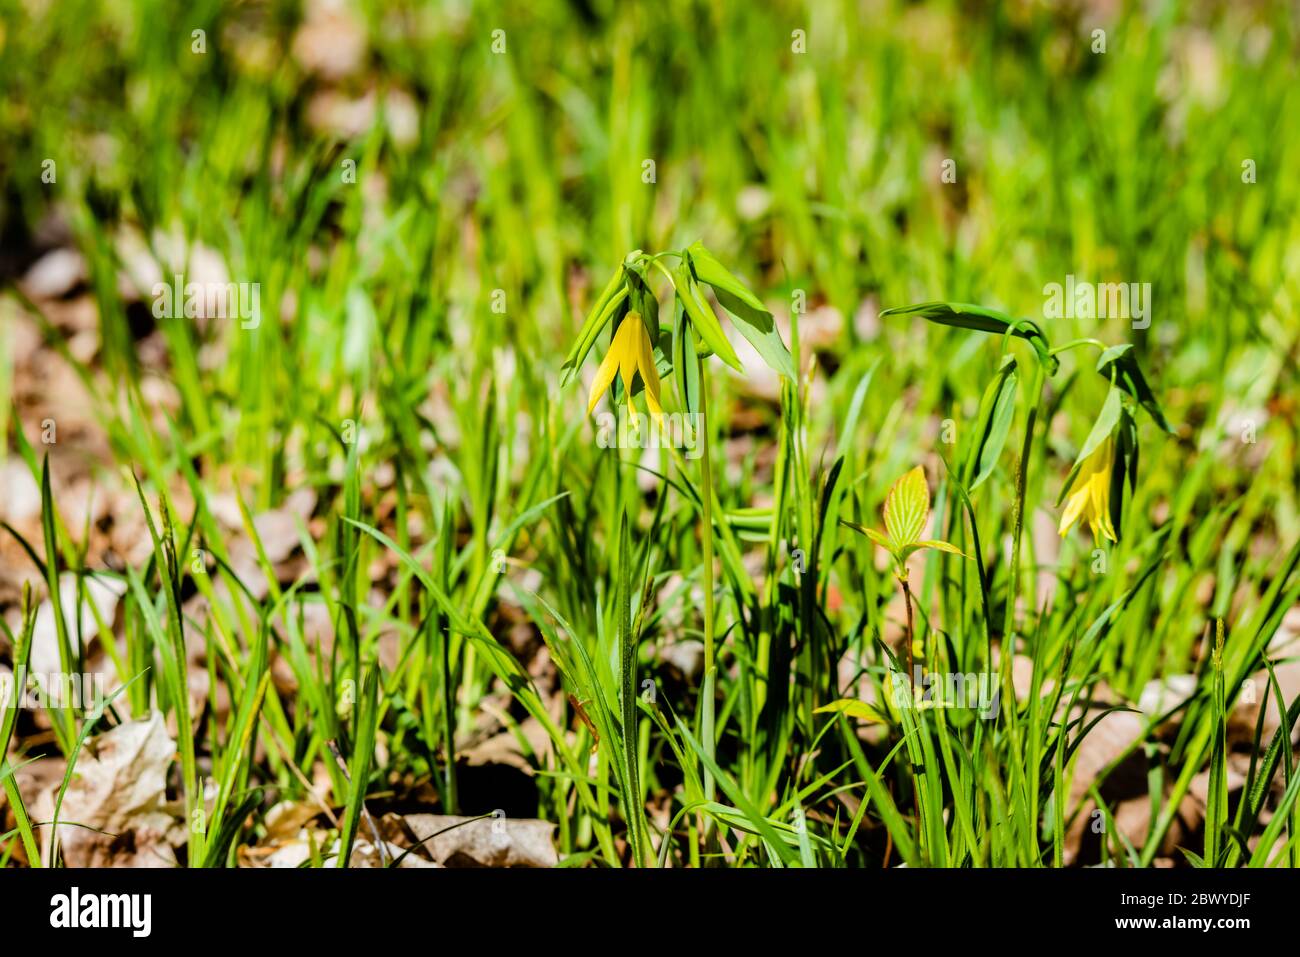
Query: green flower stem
1074	344
710	675
1008	649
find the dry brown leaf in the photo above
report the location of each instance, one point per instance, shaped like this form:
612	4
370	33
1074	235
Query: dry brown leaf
119	788
289	817
54	275
1160	695
1258	692
103	593
504	748
496	842
1102	745
20	496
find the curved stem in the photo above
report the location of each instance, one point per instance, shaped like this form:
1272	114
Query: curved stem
654	261
1074	344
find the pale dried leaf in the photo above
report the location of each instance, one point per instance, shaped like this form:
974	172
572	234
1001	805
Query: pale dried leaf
119	787
495	842
103	593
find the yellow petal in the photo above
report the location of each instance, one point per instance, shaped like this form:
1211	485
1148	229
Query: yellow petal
1073	510
626	343
604	375
1089	496
1100	492
649	375
1106	527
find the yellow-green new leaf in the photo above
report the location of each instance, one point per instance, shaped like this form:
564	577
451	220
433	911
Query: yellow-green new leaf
943	547
907	508
881	540
854	709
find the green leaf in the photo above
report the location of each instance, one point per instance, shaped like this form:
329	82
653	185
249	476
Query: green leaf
966	315
363	752
686	360
754	322
907	508
630	787
641	298
1124	468
706	268
1216	802
737	795
997	409
702	318
611	299
854	709
1128	376
62	718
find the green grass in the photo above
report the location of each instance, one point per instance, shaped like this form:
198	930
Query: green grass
410	369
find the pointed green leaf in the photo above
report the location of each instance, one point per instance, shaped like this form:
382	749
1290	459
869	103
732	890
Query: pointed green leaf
707	269
942	546
1129	377
854	709
686	361
966	315
753	320
630	788
997	409
605	308
702	317
881	540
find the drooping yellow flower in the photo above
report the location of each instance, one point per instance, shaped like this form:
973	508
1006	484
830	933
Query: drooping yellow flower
1089	496
629	353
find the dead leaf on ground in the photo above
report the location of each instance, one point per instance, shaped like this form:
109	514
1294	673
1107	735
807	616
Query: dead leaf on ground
505	748
119	788
488	842
102	593
1258	692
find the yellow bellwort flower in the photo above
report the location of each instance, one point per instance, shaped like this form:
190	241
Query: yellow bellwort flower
1089	496
629	353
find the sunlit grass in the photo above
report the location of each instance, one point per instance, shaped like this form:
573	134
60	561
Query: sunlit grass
705	654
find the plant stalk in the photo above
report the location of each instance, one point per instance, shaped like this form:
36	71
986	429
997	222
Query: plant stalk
706	490
907	600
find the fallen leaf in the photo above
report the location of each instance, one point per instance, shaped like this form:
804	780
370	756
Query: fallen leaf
54	275
103	593
119	788
495	842
1257	692
20	496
